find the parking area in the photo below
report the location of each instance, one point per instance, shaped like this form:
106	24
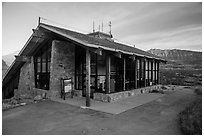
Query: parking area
50	117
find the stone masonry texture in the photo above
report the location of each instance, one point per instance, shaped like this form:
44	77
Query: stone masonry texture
121	95
26	81
62	65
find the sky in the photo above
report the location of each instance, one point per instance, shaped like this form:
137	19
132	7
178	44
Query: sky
145	25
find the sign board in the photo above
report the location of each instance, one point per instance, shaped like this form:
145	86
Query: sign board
67	85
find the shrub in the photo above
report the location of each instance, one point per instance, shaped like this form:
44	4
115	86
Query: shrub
163	87
190	119
157	91
198	91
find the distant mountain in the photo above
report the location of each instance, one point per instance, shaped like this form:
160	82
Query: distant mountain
183	67
10	58
184	56
4	68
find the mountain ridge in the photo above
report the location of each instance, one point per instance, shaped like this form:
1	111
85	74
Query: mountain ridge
9	58
185	56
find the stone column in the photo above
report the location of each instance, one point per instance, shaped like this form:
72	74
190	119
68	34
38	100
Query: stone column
62	65
32	77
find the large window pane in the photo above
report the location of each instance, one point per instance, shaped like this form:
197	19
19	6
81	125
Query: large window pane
153	75
38	67
146	65
150	76
48	66
150	65
44	67
146	75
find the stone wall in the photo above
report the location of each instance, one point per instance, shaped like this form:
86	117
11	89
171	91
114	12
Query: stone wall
40	92
26	81
120	95
62	65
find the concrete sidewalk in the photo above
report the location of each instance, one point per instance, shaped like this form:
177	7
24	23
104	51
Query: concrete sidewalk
116	107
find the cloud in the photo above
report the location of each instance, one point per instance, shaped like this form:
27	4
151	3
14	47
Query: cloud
182	37
143	24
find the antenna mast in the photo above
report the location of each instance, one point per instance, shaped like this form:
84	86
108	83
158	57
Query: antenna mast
99	28
110	27
93	27
102	26
39	21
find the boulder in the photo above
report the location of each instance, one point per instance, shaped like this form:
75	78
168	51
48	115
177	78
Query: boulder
38	97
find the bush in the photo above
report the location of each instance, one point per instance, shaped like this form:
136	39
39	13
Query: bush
190	119
157	91
163	87
198	91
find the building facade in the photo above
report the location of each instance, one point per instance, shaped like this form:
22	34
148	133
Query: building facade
96	64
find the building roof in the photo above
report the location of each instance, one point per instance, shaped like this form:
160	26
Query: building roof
95	42
84	39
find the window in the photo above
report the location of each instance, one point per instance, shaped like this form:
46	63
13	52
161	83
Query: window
130	74
150	69
42	67
101	73
153	74
138	69
80	62
146	69
157	72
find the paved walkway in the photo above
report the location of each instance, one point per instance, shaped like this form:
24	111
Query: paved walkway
116	107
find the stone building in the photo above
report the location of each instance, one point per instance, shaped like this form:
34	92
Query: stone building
99	67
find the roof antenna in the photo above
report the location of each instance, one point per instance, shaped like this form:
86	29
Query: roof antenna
99	28
39	21
102	26
110	27
93	27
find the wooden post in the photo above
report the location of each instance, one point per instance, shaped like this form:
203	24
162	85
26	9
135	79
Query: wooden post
88	71
158	74
140	72
155	72
136	73
152	71
108	61
124	72
148	72
144	72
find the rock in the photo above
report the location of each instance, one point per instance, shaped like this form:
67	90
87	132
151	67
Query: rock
38	97
16	105
23	104
6	106
159	100
44	95
13	101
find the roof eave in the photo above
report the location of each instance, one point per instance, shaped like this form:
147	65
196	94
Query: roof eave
94	45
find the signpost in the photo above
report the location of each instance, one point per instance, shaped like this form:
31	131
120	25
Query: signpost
67	87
